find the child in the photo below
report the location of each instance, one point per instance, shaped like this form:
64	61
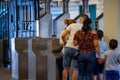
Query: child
112	61
98	70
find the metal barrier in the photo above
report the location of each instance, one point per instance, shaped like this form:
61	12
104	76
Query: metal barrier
37	58
1	53
54	60
19	58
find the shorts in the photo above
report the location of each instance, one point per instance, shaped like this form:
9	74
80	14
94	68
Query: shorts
112	75
98	68
74	64
68	56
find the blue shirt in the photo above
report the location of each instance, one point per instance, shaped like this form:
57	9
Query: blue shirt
103	47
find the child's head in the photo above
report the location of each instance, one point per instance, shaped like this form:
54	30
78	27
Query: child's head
113	44
100	34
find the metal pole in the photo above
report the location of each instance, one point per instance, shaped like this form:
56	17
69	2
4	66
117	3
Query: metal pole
47	6
85	7
65	6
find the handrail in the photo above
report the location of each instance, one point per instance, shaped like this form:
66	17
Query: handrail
43	15
77	17
59	16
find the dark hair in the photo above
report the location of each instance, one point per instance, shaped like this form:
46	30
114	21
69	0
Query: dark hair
84	16
86	25
113	43
100	34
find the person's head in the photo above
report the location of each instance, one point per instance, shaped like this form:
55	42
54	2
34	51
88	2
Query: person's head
100	34
87	25
113	44
83	17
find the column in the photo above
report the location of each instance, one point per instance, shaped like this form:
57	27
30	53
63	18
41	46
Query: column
85	7
47	6
65	6
112	20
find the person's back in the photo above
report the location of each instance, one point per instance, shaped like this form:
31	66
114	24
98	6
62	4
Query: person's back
112	57
112	61
67	22
73	28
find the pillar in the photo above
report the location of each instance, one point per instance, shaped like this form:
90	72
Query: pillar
65	6
85	6
112	20
47	6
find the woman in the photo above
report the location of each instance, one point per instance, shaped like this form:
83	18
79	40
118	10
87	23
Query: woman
88	46
70	49
67	22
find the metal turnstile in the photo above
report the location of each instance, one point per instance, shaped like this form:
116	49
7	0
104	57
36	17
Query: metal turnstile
54	60
37	58
1	53
19	58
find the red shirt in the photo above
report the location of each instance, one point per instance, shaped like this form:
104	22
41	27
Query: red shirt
85	41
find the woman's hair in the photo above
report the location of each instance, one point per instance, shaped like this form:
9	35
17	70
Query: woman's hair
113	44
85	16
100	34
69	21
66	21
87	25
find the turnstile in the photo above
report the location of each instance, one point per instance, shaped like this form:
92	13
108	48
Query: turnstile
37	58
54	60
19	58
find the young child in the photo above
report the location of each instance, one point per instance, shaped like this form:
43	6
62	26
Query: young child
98	70
112	61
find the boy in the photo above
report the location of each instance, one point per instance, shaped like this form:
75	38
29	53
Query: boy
98	70
112	61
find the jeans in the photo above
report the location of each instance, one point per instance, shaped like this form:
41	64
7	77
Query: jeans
86	62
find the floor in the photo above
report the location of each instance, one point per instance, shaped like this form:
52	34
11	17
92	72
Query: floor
5	74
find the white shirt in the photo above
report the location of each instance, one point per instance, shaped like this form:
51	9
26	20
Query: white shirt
73	28
61	41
